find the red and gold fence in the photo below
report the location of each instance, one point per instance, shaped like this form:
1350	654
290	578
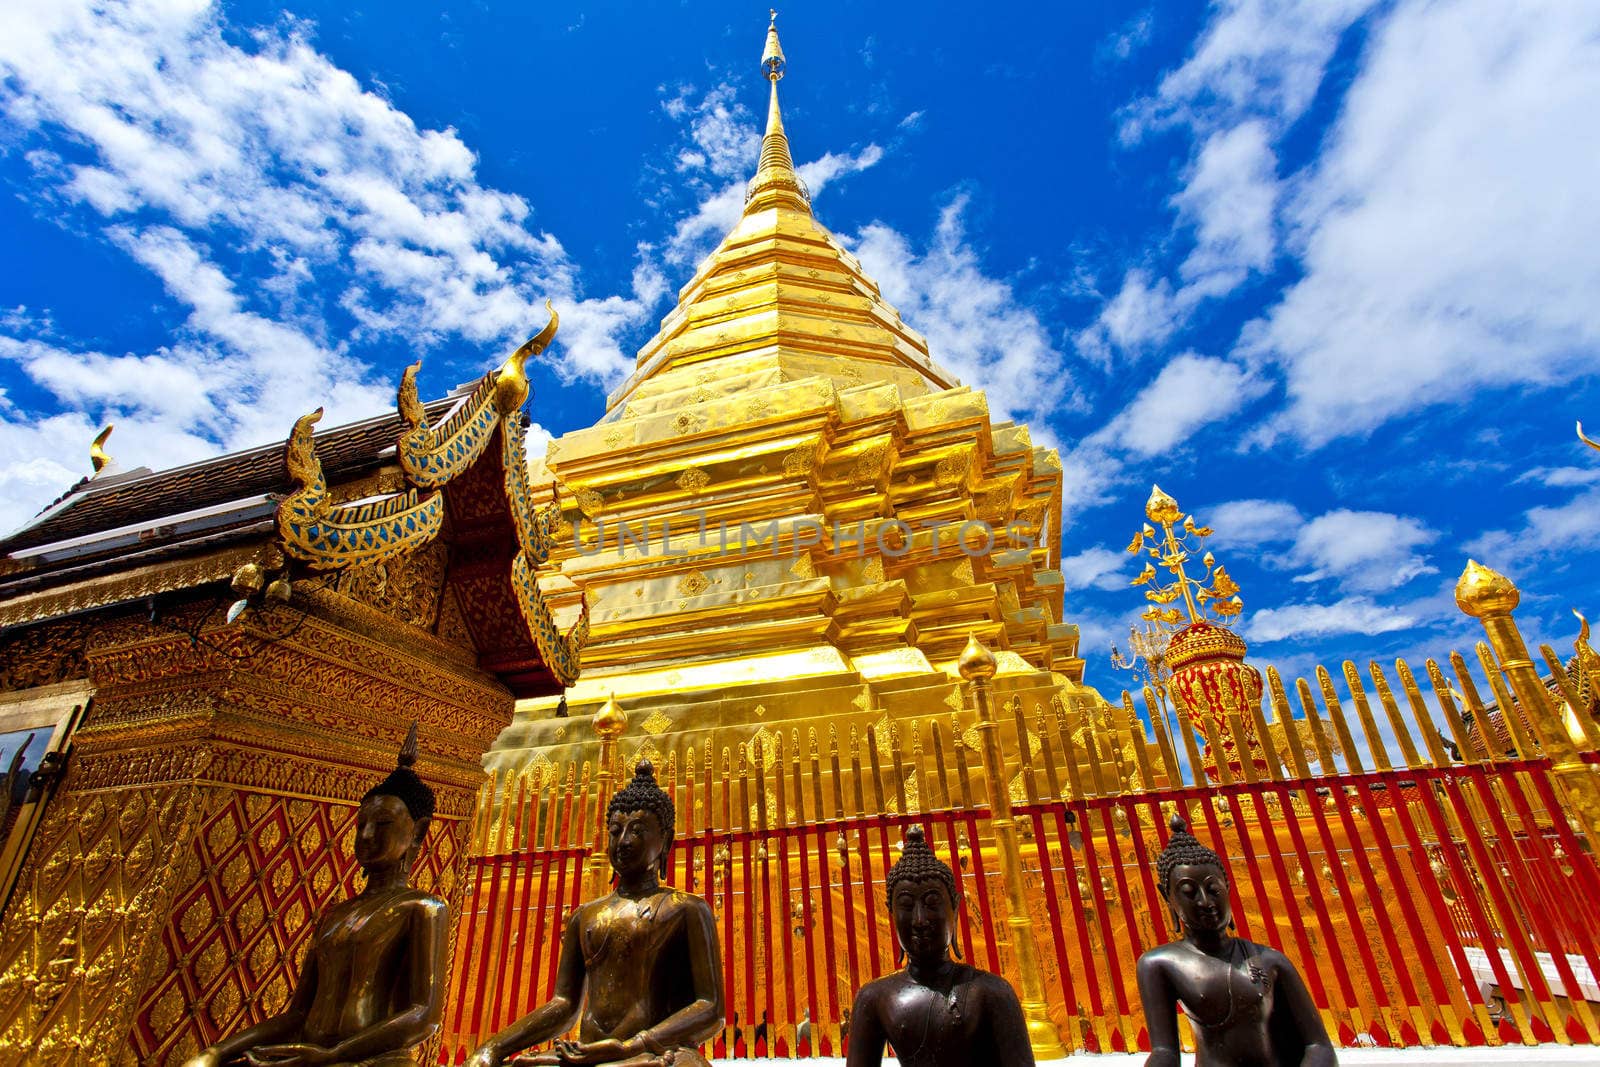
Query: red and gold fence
1423	857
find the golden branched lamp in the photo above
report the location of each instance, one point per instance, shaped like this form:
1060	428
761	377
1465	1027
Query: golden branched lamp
1214	688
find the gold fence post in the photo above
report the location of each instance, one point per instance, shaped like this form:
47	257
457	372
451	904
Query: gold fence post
608	723
977	665
1490	597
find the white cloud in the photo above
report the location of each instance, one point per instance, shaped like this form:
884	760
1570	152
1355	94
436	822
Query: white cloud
1143	313
1095	568
1247	523
1449	233
1350	615
1546	530
267	190
720	159
1256	58
975	324
1191	391
1229	199
1364	551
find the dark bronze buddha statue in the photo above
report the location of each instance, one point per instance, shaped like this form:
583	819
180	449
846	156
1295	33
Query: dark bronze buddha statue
640	972
1246	1002
373	982
938	1012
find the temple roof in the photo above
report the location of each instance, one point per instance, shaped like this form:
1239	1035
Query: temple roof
144	498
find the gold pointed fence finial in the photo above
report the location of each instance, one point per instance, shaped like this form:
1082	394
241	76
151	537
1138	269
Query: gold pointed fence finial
776	182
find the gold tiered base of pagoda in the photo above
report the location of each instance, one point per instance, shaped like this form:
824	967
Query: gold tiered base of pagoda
768	699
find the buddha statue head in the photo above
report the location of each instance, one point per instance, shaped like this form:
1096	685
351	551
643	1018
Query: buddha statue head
923	898
1194	882
394	815
639	826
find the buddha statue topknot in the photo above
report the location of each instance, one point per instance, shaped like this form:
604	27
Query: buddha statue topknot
640	972
372	987
1246	1003
938	1011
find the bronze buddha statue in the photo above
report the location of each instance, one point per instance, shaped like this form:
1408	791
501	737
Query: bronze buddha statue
372	986
1246	1002
937	1012
640	971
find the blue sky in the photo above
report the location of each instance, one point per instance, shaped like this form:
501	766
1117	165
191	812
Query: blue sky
1327	271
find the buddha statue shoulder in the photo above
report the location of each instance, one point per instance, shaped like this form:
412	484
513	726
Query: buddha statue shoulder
372	986
640	971
938	1011
1246	1003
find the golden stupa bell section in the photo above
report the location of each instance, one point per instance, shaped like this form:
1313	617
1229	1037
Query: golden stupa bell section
734	517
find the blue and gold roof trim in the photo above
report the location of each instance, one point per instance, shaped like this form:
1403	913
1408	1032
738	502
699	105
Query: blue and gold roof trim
328	537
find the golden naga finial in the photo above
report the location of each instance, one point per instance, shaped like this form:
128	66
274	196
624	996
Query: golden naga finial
511	381
1216	594
1587	440
97	449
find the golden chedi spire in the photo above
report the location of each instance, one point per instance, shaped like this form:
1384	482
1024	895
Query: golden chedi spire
779	296
775	181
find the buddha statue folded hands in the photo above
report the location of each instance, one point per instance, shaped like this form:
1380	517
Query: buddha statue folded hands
640	969
372	986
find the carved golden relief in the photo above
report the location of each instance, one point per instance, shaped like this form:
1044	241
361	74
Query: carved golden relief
43	655
406	587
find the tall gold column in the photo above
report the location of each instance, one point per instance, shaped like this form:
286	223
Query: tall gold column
608	722
977	665
1490	597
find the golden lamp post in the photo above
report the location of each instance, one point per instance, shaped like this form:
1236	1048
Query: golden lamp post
977	665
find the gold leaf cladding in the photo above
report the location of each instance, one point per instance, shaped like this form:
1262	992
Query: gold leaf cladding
952	469
702	395
963	571
803	568
862	701
540	771
758	408
613	437
971	739
993	504
590	502
870	464
656	722
686	422
802	460
873	572
763	742
693	584
693	479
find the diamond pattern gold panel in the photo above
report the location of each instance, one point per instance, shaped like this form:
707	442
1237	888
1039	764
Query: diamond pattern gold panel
260	871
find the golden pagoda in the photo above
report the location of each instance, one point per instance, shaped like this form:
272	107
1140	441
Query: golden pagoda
791	515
